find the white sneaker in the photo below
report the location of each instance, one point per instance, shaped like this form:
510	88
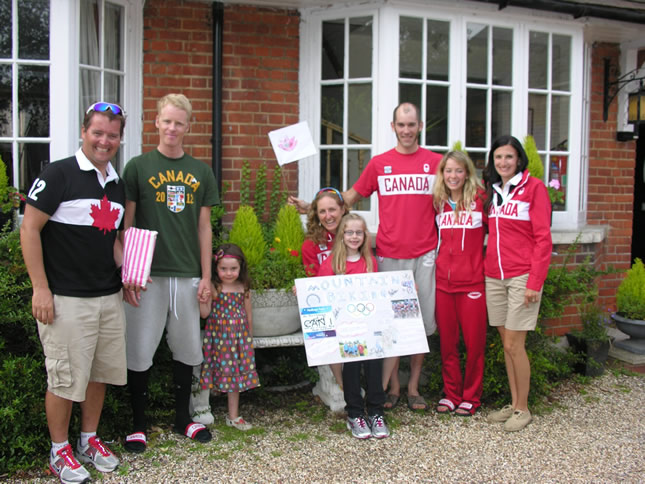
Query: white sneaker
359	427
378	427
239	423
64	465
98	454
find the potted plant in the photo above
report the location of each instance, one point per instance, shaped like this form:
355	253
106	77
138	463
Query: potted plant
630	306
591	343
273	267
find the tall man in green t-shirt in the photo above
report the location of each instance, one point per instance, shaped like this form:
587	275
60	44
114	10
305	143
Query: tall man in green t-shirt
171	192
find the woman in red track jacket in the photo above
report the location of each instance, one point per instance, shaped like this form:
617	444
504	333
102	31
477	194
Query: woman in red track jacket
461	223
517	261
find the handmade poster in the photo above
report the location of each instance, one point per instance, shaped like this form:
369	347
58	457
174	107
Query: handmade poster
292	143
360	317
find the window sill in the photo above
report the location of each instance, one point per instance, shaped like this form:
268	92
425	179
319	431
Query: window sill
589	234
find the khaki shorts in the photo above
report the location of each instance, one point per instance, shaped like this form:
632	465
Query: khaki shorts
505	303
423	268
85	343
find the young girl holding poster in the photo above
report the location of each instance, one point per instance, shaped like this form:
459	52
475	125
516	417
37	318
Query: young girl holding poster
352	254
229	359
461	221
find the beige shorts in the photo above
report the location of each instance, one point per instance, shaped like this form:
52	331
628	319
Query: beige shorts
505	304
85	343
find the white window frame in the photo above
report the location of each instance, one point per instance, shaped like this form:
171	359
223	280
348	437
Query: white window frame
386	27
15	62
309	172
65	126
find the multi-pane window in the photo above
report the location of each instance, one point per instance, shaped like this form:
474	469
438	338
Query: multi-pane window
489	87
24	89
549	95
101	56
346	106
424	68
474	78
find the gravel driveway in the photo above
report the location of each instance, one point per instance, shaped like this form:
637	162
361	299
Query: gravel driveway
588	433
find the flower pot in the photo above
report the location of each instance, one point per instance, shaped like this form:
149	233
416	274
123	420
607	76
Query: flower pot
635	329
275	313
593	354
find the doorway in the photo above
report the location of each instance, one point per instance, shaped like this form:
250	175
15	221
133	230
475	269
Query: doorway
638	226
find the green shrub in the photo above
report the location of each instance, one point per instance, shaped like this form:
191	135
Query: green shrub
289	234
260	193
247	234
23	426
564	285
18	334
535	167
630	298
278	194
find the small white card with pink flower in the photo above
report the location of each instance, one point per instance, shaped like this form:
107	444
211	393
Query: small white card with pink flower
292	143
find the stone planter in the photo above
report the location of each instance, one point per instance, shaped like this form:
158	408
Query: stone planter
275	313
635	328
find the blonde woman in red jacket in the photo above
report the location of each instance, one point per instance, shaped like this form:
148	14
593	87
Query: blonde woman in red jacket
461	223
517	261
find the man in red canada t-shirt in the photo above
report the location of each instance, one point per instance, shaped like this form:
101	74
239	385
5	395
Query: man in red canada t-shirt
407	237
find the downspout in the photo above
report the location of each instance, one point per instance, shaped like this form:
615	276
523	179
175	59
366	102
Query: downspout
216	140
577	10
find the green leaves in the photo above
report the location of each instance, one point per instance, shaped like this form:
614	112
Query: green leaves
630	298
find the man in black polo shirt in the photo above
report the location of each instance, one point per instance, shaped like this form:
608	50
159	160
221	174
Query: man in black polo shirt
69	240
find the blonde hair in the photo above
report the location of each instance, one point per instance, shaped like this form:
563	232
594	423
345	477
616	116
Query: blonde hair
472	184
315	231
178	100
339	251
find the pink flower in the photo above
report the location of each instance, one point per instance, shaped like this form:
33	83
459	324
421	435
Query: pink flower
555	184
294	253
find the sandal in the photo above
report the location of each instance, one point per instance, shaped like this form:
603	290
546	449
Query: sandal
196	431
445	406
136	442
414	400
466	409
391	401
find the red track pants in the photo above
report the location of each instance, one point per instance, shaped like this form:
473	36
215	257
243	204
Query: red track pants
465	310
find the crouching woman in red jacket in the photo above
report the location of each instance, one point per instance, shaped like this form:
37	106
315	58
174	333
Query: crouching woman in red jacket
461	222
517	261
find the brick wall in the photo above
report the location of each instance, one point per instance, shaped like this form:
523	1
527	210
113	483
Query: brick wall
611	180
260	81
610	195
177	57
260	71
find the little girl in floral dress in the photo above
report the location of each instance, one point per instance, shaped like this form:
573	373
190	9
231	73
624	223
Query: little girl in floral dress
229	359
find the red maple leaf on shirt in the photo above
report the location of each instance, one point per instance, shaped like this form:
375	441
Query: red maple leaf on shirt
104	215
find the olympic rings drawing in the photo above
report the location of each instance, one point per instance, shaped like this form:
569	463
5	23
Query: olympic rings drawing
364	309
315	300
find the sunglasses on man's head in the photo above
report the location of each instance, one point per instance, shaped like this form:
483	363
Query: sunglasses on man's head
102	107
332	190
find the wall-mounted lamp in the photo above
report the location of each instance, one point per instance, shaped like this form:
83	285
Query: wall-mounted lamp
636	103
636	99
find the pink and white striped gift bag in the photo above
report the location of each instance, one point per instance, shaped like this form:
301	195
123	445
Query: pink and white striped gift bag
138	249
